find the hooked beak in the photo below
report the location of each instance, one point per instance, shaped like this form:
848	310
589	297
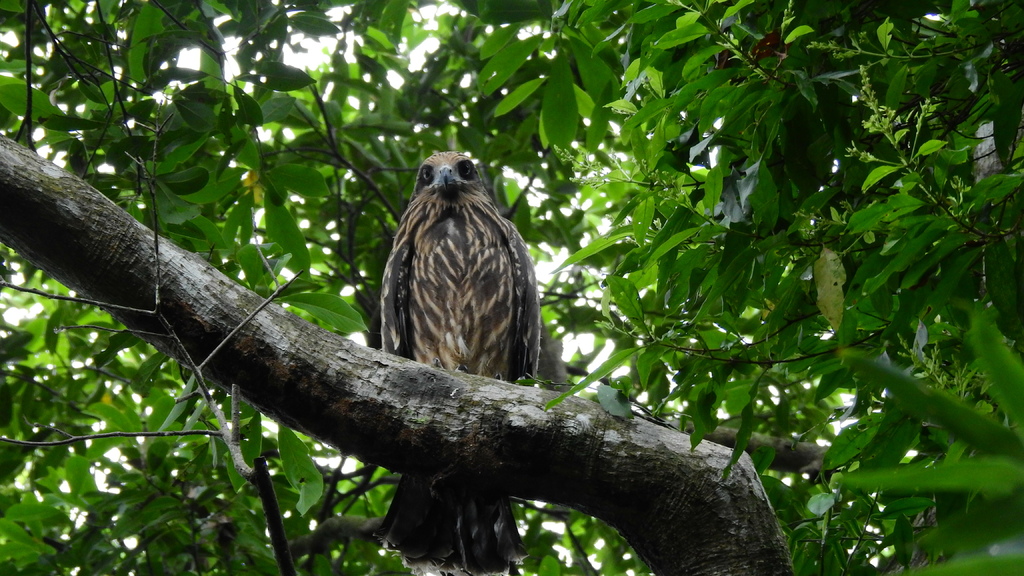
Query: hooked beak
446	180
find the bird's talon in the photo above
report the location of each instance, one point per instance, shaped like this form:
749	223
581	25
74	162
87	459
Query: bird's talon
462	368
437	362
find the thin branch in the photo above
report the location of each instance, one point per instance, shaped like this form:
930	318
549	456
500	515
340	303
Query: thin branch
70	439
236	415
335	529
248	319
26	125
60	329
275	524
170	15
263	257
107	305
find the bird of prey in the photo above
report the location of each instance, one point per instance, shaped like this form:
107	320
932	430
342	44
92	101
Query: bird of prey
459	293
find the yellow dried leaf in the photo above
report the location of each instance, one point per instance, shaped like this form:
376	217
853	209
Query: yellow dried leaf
829	277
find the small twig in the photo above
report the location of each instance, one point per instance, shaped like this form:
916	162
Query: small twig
60	329
213	50
187	397
263	257
234	441
108	305
248	319
236	415
72	439
272	512
581	554
27	124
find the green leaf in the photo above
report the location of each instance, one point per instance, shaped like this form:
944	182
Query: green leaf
277	108
279	77
300	179
622	107
606	368
984	523
300	470
1007	565
713	186
877	174
550	566
685	32
1008	95
866	218
614	401
936	406
903	540
516	97
661	246
116	420
148	23
1004	368
884	33
626	297
821	503
643	217
505	63
229	181
330	309
248	257
314	24
252	437
897	84
282	228
907	507
70	123
986	474
1003	281
187	181
249	111
559	115
28	548
851	441
735	8
506	11
142	380
179	407
746	428
930	147
798	32
651	13
32	512
198	115
497	40
594	247
13	97
829	278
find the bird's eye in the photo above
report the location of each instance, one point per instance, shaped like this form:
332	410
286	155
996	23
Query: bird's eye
465	169
426	174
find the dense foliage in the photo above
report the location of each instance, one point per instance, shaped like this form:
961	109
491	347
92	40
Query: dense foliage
732	193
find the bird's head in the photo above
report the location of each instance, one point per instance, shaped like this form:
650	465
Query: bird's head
450	177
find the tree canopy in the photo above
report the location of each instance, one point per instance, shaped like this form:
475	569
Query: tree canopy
792	228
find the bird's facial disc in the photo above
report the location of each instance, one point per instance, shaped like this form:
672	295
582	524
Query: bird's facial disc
449	180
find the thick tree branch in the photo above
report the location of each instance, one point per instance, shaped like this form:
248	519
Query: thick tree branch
669	501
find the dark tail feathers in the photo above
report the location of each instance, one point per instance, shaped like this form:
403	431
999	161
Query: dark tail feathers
451	529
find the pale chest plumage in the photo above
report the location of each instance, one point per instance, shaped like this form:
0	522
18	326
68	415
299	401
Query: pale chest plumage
461	293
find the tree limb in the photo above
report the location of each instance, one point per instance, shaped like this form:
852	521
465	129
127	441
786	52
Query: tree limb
670	502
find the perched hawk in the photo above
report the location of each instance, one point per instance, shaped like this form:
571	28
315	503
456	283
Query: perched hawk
459	293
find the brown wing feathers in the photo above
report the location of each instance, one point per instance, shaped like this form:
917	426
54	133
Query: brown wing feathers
459	291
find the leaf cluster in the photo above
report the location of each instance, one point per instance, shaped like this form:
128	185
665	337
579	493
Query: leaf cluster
720	195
